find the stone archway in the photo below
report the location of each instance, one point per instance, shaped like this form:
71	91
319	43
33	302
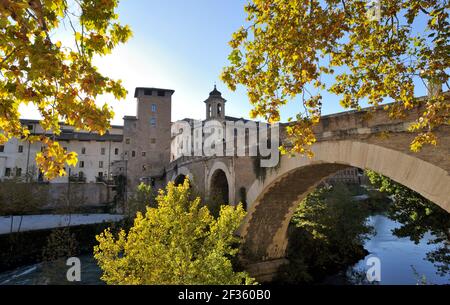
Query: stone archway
181	174
273	201
220	167
179	179
219	187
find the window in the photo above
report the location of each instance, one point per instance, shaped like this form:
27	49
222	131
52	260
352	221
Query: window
30	127
42	148
153	122
81	164
20	149
133	153
219	109
161	93
83	150
102	150
7	172
18	172
143	154
148	92
116	151
2	148
152	140
127	141
100	164
65	148
153	107
100	174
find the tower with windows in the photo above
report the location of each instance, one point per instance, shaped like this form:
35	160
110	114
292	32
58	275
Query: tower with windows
147	136
215	105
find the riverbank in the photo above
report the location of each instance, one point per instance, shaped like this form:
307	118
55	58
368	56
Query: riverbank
25	248
22	223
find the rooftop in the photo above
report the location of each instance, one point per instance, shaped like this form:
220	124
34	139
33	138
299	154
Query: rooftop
151	88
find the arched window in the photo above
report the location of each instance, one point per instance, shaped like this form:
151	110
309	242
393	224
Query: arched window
219	109
209	111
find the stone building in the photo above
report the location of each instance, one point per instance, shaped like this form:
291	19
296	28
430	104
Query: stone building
139	150
146	138
95	154
351	175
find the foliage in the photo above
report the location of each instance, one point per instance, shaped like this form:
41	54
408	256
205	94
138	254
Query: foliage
141	199
417	216
60	80
179	242
215	201
327	232
61	244
296	48
18	197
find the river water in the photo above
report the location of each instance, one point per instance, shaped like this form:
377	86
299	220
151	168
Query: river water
402	262
396	256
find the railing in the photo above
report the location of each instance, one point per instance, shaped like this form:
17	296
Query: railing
101	179
76	178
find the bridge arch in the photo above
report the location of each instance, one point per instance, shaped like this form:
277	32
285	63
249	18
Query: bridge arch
274	200
181	174
218	173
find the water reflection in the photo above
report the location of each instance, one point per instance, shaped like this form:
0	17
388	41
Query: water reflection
397	255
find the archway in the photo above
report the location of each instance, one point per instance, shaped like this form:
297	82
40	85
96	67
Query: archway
274	200
219	189
230	180
181	174
179	179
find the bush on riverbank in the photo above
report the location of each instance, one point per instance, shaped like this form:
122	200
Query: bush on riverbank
177	242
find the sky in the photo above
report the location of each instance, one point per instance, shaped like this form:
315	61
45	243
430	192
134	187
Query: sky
180	45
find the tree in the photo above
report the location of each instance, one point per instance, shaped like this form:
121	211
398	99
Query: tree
60	80
179	242
290	46
18	197
327	233
417	216
143	198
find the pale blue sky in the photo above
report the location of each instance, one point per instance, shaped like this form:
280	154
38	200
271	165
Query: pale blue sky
180	45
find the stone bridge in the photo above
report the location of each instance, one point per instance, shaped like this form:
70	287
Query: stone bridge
345	139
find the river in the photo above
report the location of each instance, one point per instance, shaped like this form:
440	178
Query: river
402	262
397	256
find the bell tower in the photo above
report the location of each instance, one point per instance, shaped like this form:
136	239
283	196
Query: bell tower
215	105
